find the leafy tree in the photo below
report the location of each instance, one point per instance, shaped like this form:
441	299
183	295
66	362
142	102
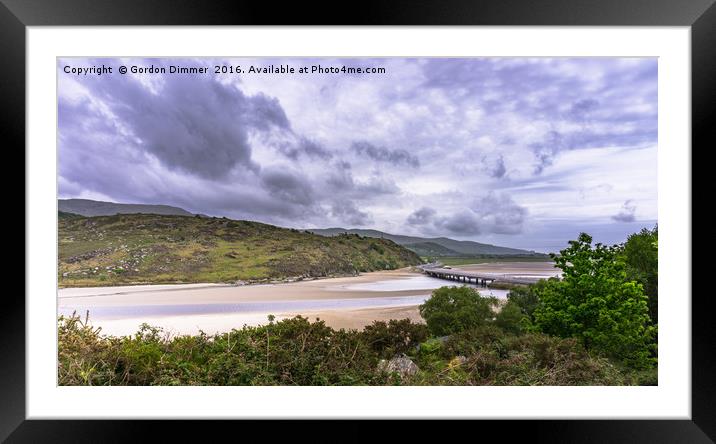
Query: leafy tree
641	254
511	318
525	298
453	309
596	303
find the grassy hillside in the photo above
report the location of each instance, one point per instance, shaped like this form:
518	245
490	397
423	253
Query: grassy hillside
149	248
456	247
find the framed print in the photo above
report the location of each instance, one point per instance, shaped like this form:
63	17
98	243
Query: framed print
237	218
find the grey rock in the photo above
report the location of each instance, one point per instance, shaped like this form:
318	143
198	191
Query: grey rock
400	364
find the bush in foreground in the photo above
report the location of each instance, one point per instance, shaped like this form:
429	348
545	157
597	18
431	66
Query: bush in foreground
493	358
298	352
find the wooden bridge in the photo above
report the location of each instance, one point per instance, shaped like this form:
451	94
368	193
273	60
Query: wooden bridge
468	277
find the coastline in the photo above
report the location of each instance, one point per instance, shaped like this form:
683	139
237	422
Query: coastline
342	302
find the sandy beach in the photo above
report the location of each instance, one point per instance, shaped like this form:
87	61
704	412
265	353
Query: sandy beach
106	304
359	318
218	293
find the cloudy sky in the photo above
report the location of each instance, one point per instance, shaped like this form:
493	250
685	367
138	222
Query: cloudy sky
512	151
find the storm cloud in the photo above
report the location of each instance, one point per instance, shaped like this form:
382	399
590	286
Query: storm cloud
347	211
288	187
195	126
422	216
493	213
626	214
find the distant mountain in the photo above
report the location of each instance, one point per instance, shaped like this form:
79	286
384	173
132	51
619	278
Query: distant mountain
440	246
431	249
89	208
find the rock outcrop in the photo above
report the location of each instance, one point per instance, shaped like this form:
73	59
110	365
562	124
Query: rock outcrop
401	364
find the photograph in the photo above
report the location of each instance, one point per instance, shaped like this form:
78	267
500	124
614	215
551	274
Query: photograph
455	212
357	221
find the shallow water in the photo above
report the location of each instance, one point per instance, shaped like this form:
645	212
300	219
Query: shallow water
376	300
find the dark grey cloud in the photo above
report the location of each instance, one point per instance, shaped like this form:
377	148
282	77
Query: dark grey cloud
288	186
626	214
545	150
499	169
422	216
347	211
251	204
190	124
383	154
463	223
304	146
260	112
494	213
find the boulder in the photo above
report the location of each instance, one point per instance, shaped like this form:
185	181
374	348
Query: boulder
400	364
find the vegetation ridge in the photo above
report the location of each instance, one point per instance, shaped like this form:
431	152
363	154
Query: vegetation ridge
129	249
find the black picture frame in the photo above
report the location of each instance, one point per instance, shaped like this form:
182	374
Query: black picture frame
699	15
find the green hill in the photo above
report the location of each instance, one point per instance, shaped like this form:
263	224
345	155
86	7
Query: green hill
149	248
460	248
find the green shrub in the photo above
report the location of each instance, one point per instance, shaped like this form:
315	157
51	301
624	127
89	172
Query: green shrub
492	358
454	309
394	337
377	248
511	318
526	297
470	341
